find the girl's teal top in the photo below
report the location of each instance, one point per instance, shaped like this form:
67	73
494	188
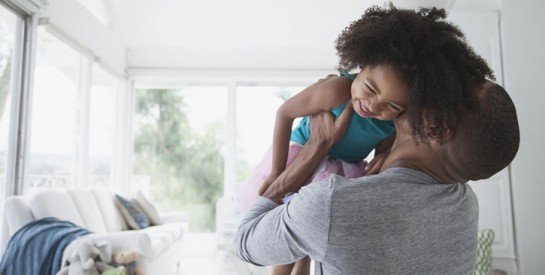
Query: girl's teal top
361	137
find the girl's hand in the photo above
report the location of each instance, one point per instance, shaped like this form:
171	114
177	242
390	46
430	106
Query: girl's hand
266	184
373	167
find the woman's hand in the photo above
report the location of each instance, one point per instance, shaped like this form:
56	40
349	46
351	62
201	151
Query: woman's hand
325	128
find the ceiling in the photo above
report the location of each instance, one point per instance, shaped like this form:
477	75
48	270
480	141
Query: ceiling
236	23
165	33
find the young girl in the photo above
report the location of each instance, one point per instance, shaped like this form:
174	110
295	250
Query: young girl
377	96
409	61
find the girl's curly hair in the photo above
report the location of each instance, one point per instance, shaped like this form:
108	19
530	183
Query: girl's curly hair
430	55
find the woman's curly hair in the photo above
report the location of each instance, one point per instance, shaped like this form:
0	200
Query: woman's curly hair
430	55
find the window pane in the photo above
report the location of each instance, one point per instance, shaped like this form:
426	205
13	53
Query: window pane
256	113
178	150
8	33
102	119
54	115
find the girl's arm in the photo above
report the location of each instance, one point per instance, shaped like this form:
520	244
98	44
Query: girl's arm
323	95
385	145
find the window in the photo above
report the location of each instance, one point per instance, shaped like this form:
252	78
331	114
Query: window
179	143
181	137
54	122
256	114
10	28
73	119
178	150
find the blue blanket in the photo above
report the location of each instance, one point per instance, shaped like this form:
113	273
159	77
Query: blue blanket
38	246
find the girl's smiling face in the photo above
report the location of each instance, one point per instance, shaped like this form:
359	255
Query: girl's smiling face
378	92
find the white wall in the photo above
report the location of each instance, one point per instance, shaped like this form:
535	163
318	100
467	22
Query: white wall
523	30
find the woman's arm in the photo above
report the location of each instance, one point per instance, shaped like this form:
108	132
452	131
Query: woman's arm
323	95
305	223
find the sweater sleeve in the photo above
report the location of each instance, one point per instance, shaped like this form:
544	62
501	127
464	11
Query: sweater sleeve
272	234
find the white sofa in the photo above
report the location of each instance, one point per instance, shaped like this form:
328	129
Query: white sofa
159	246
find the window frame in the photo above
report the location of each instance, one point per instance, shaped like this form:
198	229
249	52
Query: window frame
21	90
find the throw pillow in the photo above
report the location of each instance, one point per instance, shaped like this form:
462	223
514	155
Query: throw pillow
484	252
133	214
150	210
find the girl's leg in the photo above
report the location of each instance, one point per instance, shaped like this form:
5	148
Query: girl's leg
302	267
282	269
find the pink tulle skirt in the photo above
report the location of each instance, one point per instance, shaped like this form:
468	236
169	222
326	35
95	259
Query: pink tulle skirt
246	194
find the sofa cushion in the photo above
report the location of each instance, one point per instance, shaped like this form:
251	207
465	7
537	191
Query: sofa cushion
17	213
112	217
54	203
88	209
132	212
150	210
